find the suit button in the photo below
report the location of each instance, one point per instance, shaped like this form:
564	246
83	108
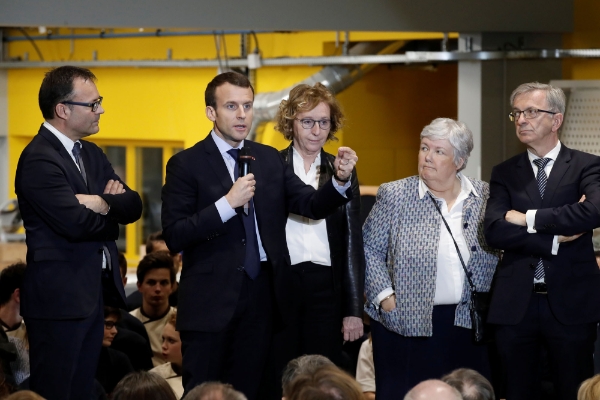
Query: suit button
244	242
532	266
473	248
240	268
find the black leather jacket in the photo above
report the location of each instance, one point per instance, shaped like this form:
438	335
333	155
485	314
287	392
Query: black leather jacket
345	240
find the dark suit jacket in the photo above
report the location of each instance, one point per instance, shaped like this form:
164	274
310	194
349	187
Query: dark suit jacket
344	233
65	239
213	251
572	276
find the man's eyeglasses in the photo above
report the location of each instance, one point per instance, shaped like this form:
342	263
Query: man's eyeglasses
309	123
93	105
528	114
109	324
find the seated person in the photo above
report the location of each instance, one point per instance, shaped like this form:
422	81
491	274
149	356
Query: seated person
470	383
113	365
132	338
11	279
171	352
156	242
214	391
365	370
155	274
326	382
143	385
306	364
433	389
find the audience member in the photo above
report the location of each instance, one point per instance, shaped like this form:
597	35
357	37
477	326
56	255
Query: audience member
11	279
113	364
365	369
155	274
327	382
327	255
214	391
433	389
590	389
156	242
72	203
171	352
24	395
471	384
143	385
306	364
235	251
123	268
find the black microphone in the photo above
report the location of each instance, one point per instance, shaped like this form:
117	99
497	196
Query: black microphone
244	167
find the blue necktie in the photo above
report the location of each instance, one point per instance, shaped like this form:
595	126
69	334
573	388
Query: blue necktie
542	180
77	154
252	259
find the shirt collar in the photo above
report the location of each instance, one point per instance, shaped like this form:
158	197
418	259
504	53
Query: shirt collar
465	186
66	142
298	158
222	145
552	154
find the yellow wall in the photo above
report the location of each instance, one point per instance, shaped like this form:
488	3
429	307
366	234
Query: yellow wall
586	35
385	110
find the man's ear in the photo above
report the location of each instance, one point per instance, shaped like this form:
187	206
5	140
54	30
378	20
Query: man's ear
61	111
557	121
211	113
17	295
139	285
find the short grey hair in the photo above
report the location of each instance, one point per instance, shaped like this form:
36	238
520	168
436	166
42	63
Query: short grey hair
471	384
306	364
215	391
457	133
554	96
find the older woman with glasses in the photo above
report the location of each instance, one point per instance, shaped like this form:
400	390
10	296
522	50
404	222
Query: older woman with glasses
417	291
327	255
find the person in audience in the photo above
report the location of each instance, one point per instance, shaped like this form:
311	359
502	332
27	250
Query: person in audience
590	389
72	202
365	369
471	384
24	395
155	274
417	290
171	352
327	255
236	262
306	364
132	338
215	391
143	385
433	389
11	279
156	242
326	382
113	365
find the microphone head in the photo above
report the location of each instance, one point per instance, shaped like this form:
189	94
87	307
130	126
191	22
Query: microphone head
245	152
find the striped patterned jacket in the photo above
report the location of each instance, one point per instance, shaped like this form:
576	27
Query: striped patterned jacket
401	238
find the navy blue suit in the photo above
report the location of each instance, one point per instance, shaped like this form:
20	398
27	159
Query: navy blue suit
215	294
64	286
564	318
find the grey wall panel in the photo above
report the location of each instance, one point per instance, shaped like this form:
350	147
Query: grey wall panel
376	15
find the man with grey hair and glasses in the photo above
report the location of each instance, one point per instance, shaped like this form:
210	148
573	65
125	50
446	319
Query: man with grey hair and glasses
543	205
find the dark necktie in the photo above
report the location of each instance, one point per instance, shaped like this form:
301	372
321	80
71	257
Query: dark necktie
77	154
542	179
252	259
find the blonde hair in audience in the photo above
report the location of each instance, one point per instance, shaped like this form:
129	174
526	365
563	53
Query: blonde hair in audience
590	389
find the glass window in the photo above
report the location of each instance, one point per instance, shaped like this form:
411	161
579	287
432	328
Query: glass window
150	175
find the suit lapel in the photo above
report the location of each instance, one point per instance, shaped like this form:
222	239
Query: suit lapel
524	172
559	169
216	162
67	159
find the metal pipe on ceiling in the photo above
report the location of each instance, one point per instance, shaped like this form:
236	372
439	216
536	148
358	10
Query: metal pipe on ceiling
410	57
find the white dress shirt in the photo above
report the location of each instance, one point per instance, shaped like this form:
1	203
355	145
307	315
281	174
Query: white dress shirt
307	238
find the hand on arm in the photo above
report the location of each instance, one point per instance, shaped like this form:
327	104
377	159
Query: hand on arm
242	191
515	217
344	163
93	202
352	328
